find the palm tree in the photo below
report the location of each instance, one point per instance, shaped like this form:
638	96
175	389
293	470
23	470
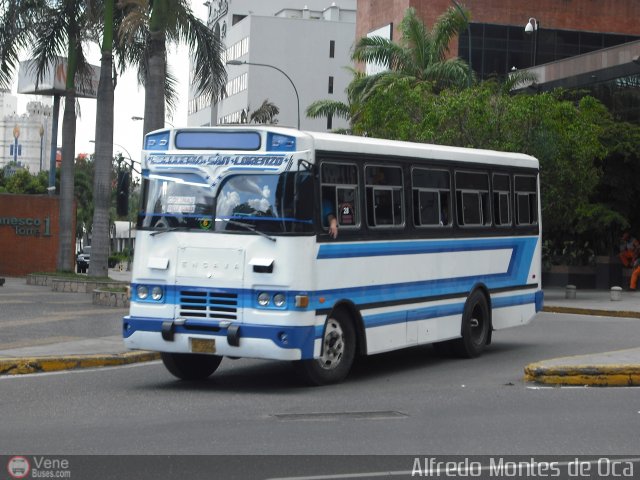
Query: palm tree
421	55
104	149
146	29
53	28
335	108
265	113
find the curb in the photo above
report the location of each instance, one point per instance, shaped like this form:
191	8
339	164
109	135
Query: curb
27	365
592	311
619	375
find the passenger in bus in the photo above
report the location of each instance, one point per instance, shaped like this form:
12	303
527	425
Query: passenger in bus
329	218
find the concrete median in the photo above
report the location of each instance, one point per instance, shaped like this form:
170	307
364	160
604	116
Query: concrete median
42	364
610	369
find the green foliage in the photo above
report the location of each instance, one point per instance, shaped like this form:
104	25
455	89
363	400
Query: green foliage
23	182
566	134
83	193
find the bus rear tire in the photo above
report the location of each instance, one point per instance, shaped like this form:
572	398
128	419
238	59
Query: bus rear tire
190	366
476	326
337	354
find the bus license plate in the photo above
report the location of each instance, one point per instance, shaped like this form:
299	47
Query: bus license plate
203	345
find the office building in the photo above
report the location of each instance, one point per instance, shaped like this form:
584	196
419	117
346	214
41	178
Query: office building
303	47
556	39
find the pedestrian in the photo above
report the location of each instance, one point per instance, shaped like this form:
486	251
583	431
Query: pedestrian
629	250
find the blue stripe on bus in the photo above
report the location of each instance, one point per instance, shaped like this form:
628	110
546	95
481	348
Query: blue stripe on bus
516	275
354	250
517	272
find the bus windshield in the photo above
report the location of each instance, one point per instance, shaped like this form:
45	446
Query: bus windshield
267	203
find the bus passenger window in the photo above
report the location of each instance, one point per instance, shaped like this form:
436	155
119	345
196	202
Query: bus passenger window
339	191
526	200
501	200
384	196
472	199
431	197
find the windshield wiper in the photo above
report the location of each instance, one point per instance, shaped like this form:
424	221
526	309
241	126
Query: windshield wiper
248	227
158	232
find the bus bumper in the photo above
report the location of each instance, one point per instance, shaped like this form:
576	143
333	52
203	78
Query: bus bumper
275	342
539	301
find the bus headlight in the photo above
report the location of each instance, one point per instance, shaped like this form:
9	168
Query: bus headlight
279	299
142	291
157	293
263	299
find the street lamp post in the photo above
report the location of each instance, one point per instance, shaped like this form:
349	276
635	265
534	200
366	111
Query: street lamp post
532	27
238	62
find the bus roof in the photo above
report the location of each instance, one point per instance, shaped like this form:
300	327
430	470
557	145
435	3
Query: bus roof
366	145
324	141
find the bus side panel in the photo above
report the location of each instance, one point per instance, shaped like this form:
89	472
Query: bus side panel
413	292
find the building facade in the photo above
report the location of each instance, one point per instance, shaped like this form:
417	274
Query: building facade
498	42
566	27
303	48
25	139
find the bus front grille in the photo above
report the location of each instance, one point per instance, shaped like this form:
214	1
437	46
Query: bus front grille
208	304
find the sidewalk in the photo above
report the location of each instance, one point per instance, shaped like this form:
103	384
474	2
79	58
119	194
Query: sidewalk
44	331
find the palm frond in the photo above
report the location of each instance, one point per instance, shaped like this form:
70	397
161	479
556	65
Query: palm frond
453	72
417	41
265	113
448	26
518	79
378	50
171	92
135	21
209	73
326	108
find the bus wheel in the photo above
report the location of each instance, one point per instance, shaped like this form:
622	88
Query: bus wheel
475	327
190	366
337	355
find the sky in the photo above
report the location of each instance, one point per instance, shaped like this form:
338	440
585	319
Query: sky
129	102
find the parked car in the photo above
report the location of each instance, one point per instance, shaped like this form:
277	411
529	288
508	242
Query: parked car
82	260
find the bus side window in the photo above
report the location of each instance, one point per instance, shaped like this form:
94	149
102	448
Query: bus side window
472	199
431	197
501	200
385	205
339	194
526	200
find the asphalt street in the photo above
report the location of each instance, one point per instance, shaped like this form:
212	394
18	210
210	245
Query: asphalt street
42	330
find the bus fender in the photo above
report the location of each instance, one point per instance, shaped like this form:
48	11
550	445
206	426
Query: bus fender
358	323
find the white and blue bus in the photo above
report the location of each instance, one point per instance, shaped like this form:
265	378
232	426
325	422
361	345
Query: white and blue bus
234	257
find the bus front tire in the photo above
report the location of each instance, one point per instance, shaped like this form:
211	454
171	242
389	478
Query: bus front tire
476	326
337	354
190	366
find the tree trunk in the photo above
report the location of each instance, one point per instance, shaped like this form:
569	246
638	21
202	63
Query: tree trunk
99	265
154	86
67	207
102	173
